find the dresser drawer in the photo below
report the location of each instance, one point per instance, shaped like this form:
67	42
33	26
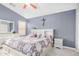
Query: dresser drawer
58	40
57	44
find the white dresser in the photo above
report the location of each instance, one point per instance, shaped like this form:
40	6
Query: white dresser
58	42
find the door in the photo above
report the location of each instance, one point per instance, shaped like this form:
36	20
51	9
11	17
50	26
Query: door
21	27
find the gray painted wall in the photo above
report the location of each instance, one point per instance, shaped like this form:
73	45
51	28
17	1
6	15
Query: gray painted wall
7	14
63	23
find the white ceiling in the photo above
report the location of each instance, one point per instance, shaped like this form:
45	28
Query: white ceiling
42	9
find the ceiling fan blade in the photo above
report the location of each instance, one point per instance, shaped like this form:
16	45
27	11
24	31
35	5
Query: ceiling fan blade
24	6
33	6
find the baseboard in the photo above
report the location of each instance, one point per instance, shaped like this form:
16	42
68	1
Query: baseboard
70	48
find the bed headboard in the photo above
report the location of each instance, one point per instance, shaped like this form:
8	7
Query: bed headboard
43	31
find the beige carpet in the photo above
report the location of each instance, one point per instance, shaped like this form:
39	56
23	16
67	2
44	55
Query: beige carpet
62	52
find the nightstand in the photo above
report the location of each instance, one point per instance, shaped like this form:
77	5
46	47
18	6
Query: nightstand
58	43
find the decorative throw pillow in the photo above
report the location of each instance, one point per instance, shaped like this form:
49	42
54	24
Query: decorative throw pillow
48	35
34	34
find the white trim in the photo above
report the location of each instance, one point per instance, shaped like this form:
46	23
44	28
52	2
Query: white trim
77	28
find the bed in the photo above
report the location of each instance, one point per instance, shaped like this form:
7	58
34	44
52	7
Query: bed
38	43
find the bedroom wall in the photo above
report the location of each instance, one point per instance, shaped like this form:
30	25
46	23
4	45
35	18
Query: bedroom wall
63	23
7	14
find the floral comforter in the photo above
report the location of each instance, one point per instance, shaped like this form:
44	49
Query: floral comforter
28	45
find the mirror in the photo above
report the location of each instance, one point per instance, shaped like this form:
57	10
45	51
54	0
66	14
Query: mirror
6	26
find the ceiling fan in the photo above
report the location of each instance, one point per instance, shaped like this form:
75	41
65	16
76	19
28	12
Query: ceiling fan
24	5
31	5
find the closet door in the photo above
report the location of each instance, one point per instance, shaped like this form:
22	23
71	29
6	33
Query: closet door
21	27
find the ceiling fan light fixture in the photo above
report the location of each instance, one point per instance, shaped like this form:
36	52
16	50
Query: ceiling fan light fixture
25	5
